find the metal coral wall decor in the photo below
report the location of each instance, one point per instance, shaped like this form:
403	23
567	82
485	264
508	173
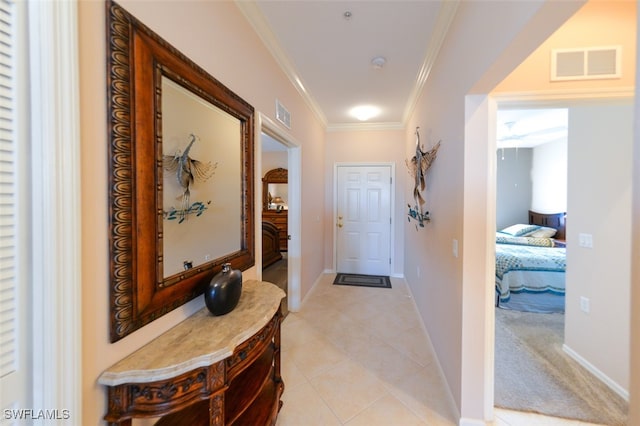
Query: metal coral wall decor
187	170
418	166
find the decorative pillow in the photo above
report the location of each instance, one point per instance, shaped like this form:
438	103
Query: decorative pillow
543	232
520	230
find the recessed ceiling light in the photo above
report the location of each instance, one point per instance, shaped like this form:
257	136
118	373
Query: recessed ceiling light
364	112
347	15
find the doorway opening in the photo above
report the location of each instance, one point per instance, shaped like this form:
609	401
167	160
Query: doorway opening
531	189
275	211
278	195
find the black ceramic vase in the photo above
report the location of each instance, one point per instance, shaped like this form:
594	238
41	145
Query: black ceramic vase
223	292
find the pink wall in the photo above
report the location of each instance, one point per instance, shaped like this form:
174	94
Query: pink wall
217	37
597	23
486	41
273	160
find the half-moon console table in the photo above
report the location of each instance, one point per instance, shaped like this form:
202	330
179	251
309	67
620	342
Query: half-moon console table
207	370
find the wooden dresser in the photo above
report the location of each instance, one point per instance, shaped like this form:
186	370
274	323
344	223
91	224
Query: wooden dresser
206	370
279	219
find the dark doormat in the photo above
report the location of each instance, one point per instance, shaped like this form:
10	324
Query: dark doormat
363	280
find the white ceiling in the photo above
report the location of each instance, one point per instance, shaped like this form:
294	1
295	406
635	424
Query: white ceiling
527	128
270	144
328	56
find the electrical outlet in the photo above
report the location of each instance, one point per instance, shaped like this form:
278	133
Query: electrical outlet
454	248
418	271
584	304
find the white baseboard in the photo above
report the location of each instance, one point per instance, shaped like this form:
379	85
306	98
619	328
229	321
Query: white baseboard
452	400
596	372
312	289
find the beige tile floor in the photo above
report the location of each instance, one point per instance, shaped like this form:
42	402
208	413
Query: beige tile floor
359	356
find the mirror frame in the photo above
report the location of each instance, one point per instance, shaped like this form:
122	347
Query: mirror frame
137	60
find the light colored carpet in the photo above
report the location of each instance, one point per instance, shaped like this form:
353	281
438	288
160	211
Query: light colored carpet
533	373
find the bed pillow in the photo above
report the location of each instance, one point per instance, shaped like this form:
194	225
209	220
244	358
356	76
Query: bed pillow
543	232
524	241
520	230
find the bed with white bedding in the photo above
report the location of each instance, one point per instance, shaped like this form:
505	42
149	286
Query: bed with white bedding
531	266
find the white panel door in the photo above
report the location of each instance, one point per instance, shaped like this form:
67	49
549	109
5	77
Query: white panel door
363	220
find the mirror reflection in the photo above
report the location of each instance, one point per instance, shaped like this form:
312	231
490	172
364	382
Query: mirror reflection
201	190
277	196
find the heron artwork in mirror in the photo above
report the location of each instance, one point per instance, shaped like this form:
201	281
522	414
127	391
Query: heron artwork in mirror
181	175
187	170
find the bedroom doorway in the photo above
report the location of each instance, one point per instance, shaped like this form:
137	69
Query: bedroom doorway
479	171
531	176
275	211
531	189
553	337
279	154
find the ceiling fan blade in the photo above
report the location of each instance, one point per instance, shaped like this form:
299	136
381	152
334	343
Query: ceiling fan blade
541	132
546	131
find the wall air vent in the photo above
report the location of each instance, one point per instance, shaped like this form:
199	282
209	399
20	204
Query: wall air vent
283	115
589	63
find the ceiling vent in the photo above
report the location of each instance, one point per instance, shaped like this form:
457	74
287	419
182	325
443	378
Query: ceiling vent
590	63
283	115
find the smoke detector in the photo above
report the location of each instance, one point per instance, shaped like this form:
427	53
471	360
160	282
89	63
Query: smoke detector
378	62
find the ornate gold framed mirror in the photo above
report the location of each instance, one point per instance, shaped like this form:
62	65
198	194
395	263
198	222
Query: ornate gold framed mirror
181	175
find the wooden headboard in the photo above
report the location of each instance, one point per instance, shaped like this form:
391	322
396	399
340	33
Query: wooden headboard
554	220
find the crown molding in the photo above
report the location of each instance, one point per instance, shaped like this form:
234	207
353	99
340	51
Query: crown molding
443	22
256	19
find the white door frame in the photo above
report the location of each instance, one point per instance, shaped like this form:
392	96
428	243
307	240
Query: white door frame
392	202
294	248
56	167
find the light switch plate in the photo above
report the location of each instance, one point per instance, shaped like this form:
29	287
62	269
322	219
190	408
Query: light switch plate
585	240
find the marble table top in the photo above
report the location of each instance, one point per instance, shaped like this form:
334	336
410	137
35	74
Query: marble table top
200	340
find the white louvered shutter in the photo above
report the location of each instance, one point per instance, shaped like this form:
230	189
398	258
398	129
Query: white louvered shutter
13	368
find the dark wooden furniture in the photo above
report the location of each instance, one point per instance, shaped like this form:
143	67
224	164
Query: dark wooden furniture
270	244
279	220
276	217
554	220
276	176
209	371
